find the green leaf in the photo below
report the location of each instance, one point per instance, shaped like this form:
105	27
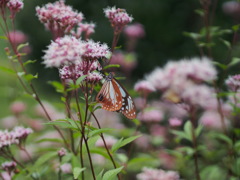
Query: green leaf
235	27
3	37
222	66
73	123
7	70
42	160
112	66
198	130
188	130
20	46
77	171
50	140
200	12
226	43
62	124
122	142
30	77
99	176
111	174
57	85
99	131
224	138
29	62
180	134
80	79
234	61
194	36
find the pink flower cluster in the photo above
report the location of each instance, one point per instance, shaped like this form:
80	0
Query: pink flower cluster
233	82
9	166
7	139
62	152
184	81
87	28
144	87
76	58
118	18
14	6
150	115
157	174
134	31
67	50
15	136
58	17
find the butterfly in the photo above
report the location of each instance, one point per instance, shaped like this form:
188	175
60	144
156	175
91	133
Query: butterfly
114	97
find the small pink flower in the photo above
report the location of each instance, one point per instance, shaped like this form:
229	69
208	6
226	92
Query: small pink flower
157	174
158	130
127	61
58	17
9	122
134	31
143	142
14	7
233	82
6	175
175	122
95	50
144	87
9	166
118	18
18	107
150	115
64	51
17	37
21	133
167	161
212	120
110	141
83	68
7	139
86	28
231	8
62	152
66	168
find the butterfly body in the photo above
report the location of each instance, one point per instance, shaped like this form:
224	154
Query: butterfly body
114	97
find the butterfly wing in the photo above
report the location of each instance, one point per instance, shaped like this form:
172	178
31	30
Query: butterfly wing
128	107
110	96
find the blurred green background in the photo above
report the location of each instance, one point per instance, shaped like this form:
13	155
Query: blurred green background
164	22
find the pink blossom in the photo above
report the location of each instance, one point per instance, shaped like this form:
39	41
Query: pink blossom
233	82
144	87
143	142
98	159
231	8
139	103
18	107
127	61
9	166
21	133
175	122
83	68
118	18
14	7
66	168
158	130
158	79
17	37
62	152
7	138
95	50
58	17
150	115
6	176
64	51
87	28
134	31
110	141
167	161
212	120
157	174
